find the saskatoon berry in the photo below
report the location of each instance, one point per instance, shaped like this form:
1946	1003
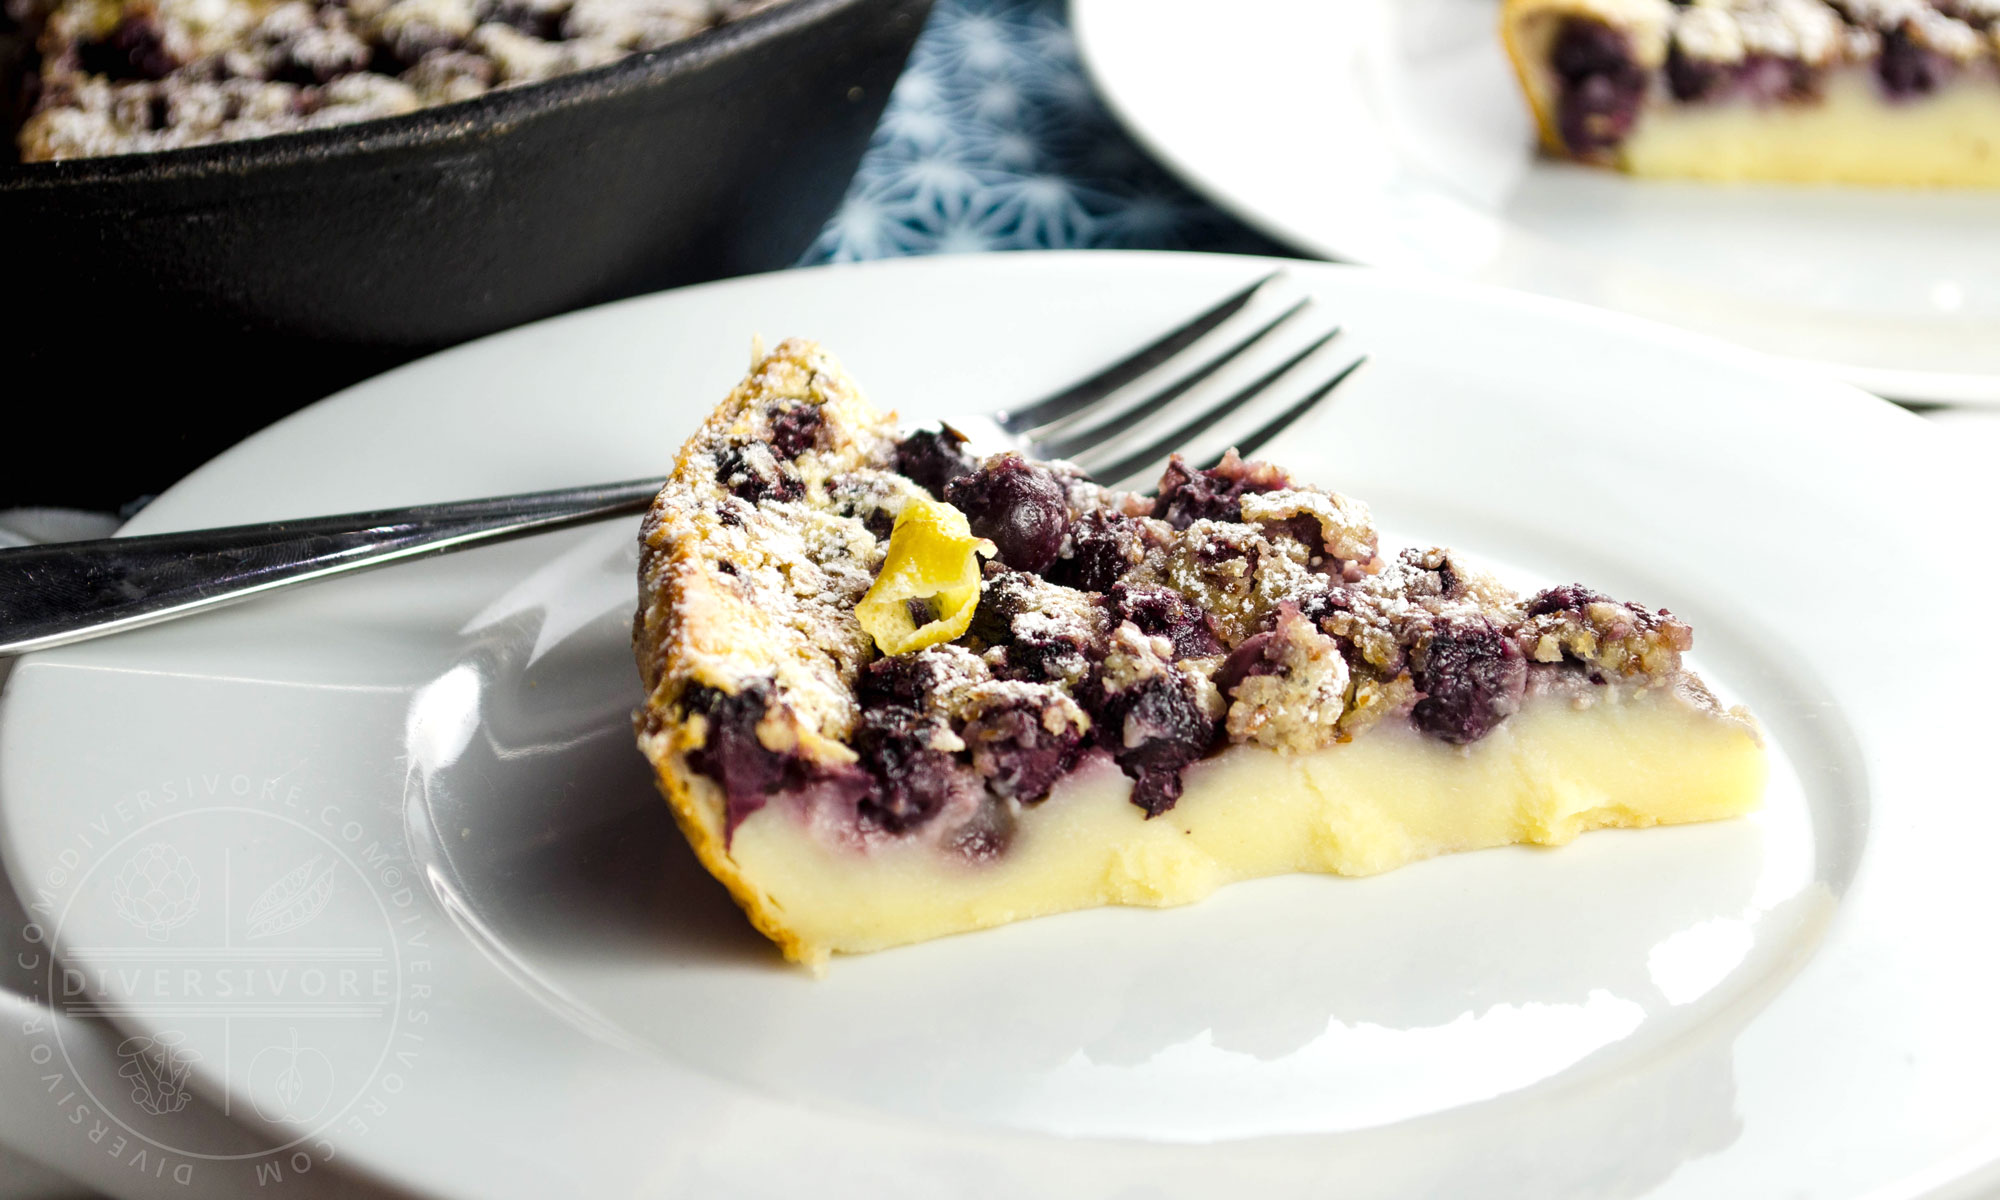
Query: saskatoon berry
796	430
1906	68
1154	730
1602	86
1569	597
752	473
1163	612
1585	48
731	755
912	780
1104	546
933	458
1187	495
1246	661
1472	679
1013	751
136	48
1691	78
1019	505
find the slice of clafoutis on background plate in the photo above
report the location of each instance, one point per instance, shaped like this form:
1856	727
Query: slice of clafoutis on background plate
895	693
1850	91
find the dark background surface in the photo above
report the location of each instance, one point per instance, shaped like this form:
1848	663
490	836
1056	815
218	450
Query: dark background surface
184	299
992	140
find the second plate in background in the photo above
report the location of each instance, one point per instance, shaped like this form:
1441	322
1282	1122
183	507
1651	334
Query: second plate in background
1391	132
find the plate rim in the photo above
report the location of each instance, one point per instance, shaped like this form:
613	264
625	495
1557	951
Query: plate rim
1092	29
1690	341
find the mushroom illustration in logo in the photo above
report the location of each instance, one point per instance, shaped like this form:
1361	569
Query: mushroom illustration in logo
157	890
158	1067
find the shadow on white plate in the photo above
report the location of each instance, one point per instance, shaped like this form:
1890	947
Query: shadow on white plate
1281	1006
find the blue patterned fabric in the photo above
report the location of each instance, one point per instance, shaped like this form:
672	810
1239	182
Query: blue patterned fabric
994	140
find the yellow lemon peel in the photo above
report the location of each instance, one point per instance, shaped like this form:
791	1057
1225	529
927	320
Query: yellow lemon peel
933	559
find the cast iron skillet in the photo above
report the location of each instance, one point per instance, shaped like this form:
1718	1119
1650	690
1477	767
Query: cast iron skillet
167	304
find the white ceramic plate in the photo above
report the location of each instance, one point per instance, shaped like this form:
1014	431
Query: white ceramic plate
1391	132
424	778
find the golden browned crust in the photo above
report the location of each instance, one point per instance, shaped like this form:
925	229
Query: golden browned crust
1528	30
697	804
1525	32
773	526
733	590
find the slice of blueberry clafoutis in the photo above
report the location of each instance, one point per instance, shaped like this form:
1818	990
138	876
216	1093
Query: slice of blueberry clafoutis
1897	92
895	692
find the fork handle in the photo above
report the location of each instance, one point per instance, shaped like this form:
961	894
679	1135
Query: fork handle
70	591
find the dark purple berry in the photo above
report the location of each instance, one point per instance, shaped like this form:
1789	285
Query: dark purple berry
1036	654
1020	505
1000	600
912	780
1568	597
904	680
731	754
1163	612
1016	755
134	49
753	474
1247	660
1154	730
1216	494
796	429
289	69
1104	546
1691	78
1304	529
1598	111
1602	86
1472	679
1319	601
1907	68
932	458
1584	48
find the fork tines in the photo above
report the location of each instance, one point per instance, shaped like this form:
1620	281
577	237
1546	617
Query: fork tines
1237	374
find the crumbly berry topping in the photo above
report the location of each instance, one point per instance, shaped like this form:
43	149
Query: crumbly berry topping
1606	55
123	76
1234	605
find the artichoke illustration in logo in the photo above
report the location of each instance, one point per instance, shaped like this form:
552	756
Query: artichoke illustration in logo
158	1067
157	890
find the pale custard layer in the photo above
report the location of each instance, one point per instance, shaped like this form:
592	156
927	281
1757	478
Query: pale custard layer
1388	798
1851	135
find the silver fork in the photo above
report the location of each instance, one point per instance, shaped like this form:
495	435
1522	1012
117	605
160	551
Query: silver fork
1192	376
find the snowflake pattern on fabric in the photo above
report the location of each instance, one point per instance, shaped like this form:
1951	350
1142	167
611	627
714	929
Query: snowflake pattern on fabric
994	140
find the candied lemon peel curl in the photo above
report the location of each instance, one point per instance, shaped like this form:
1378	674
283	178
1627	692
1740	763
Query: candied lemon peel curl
932	569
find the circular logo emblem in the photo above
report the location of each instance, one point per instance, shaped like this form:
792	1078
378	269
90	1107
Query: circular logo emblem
256	959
